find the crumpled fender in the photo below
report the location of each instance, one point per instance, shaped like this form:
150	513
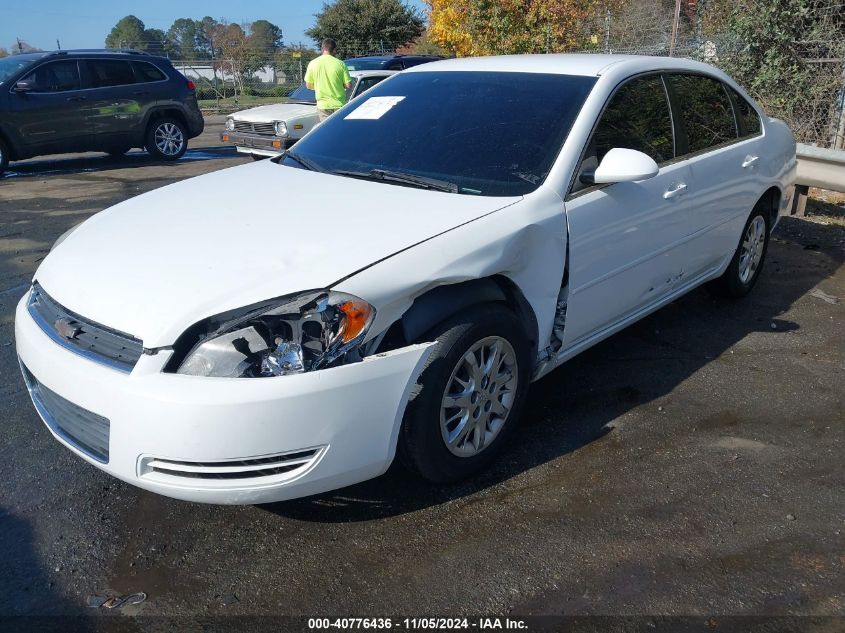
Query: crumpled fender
524	242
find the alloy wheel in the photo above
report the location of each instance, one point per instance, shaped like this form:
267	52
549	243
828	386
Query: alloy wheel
753	246
169	139
479	396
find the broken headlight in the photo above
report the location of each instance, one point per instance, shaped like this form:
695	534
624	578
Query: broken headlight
297	334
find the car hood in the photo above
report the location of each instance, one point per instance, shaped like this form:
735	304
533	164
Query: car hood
155	264
275	112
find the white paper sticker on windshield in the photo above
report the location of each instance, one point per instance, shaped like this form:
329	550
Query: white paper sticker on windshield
374	108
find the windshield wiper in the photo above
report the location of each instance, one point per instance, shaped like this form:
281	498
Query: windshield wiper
413	180
308	164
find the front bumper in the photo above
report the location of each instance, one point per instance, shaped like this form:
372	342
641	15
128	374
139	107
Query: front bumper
256	143
167	431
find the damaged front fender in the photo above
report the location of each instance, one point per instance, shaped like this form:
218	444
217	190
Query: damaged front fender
524	243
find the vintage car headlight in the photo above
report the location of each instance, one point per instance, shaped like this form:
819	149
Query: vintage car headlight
230	123
295	334
281	128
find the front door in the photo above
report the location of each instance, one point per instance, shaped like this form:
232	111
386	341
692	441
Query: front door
52	117
626	239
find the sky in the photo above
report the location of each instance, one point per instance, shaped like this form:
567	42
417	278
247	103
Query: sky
85	23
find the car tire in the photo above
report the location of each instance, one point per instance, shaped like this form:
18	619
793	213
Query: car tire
747	263
478	427
4	157
167	139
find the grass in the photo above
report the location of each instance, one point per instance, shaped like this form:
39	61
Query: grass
826	207
232	104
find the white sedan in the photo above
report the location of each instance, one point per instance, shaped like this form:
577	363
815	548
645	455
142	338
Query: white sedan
268	130
401	295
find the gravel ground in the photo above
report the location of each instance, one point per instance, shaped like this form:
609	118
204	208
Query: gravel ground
690	465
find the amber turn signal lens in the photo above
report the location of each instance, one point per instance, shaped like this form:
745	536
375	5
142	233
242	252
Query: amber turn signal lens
277	144
225	137
357	314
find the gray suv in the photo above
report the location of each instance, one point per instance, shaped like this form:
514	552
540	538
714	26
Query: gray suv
98	100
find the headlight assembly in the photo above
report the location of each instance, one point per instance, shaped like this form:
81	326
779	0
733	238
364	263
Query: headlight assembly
281	128
293	335
230	124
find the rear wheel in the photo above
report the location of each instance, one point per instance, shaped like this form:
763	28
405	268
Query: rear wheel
4	156
167	139
747	263
469	396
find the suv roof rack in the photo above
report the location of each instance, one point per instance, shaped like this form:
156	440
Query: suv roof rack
105	51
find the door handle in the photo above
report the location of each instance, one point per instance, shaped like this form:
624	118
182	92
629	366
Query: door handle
677	190
749	161
77	98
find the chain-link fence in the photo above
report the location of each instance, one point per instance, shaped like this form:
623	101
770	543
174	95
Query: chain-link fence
808	91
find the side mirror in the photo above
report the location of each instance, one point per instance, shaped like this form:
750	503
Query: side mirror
24	86
625	165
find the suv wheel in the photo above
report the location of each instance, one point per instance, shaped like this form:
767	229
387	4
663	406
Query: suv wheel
4	156
167	139
468	397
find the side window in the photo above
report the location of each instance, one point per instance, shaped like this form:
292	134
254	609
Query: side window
110	72
396	64
366	83
147	72
706	111
746	113
55	77
637	117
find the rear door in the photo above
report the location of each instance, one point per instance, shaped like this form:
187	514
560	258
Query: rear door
52	118
117	101
720	141
626	240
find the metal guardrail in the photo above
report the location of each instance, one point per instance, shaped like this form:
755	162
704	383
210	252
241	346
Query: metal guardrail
817	167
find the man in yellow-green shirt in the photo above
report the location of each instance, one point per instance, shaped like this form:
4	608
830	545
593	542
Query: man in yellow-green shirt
329	78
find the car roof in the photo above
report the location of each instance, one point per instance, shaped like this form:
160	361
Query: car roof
388	57
371	73
104	52
583	64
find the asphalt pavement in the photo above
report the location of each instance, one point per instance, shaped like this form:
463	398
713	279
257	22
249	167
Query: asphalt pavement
690	465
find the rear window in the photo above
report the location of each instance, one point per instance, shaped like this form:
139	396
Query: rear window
706	111
147	72
746	114
109	72
485	133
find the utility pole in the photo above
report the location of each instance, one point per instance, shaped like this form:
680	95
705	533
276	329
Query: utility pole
20	46
675	22
58	44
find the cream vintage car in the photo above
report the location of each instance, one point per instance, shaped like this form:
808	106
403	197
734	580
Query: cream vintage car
270	129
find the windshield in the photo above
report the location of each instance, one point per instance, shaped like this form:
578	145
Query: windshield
486	133
11	65
303	94
365	64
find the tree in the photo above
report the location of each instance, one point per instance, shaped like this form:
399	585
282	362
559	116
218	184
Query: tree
184	37
367	24
3	52
265	40
130	32
483	27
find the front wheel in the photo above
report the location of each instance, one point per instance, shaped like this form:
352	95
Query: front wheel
747	263
167	139
469	396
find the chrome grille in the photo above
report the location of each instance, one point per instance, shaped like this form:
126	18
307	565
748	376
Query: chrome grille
82	429
285	463
96	342
256	128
